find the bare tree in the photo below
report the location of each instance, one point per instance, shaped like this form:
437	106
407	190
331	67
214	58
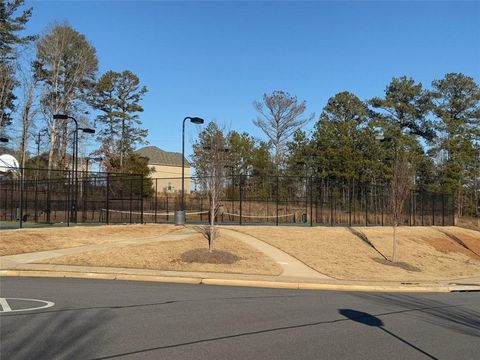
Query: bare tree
399	193
66	64
29	109
28	114
281	115
209	160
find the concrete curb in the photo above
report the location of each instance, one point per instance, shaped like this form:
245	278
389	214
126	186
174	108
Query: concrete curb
240	282
463	287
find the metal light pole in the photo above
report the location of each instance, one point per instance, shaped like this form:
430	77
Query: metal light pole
37	141
75	157
180	215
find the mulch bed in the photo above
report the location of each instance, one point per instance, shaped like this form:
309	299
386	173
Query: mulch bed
203	256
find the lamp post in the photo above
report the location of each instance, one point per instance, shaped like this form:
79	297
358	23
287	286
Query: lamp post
74	155
180	215
37	141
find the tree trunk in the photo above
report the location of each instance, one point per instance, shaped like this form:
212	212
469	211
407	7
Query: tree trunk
394	250
122	144
26	122
53	140
212	226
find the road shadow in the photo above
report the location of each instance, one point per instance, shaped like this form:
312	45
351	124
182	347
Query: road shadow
452	317
371	320
63	335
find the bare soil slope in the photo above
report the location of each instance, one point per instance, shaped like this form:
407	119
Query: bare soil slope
470	238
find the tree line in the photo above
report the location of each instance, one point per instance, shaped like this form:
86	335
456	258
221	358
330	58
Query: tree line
57	73
434	129
430	134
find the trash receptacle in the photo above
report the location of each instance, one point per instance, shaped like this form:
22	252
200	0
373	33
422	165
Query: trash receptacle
180	217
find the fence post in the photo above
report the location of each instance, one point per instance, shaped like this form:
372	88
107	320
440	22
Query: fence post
36	198
156	199
22	175
311	200
6	202
422	198
382	205
331	205
443	209
366	205
322	198
233	195
107	218
354	202
433	209
130	199
141	199
241	197
414	205
49	199
69	198
276	222
85	195
350	206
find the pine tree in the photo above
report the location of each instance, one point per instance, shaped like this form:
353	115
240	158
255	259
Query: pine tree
457	107
10	25
117	96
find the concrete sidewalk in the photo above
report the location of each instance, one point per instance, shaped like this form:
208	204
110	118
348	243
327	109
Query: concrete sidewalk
291	266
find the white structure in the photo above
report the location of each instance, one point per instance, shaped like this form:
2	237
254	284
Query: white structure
8	164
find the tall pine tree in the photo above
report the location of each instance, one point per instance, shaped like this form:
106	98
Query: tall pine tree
117	96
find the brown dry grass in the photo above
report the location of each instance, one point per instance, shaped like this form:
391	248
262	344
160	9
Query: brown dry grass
468	222
230	256
423	253
29	240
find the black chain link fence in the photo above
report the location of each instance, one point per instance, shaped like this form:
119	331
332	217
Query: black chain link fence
36	197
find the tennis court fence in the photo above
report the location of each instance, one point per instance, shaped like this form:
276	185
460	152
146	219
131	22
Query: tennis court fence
34	196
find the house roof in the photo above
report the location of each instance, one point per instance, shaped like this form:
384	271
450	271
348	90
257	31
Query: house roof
157	156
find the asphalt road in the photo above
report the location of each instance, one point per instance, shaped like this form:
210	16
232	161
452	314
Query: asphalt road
99	319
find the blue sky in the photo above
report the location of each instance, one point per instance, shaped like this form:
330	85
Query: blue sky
213	59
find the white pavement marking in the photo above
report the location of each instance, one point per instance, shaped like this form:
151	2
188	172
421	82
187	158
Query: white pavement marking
7	308
4	305
282	262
